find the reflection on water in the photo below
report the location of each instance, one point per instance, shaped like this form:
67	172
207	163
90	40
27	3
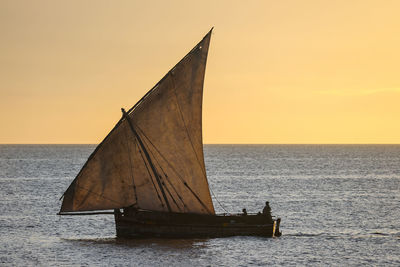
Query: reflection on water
340	205
168	243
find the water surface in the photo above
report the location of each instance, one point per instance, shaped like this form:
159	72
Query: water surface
339	204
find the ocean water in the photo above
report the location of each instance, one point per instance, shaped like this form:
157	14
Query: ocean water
339	204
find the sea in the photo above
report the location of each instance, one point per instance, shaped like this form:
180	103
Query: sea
339	205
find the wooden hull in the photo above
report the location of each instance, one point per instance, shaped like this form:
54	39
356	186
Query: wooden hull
180	225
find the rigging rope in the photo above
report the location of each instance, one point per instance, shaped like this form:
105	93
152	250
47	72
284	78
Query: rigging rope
212	192
172	168
151	177
169	182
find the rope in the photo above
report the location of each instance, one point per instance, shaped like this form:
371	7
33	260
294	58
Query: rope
212	192
172	168
169	182
151	177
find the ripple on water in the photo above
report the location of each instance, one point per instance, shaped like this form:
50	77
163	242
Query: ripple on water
340	205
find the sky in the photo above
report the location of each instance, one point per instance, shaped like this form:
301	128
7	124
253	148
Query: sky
278	72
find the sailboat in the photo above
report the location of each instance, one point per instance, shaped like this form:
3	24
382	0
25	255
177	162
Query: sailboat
149	171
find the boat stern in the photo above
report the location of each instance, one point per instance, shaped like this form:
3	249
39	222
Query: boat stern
275	231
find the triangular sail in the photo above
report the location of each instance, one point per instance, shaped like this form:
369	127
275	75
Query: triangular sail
153	158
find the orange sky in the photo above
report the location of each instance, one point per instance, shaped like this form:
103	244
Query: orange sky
278	71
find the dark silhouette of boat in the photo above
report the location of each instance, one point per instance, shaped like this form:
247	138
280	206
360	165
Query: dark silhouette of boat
150	168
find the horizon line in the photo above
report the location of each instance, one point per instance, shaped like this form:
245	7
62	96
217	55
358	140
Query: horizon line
217	144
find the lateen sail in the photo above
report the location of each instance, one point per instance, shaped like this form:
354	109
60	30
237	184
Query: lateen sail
153	158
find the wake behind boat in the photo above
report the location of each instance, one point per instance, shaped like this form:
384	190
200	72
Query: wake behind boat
150	168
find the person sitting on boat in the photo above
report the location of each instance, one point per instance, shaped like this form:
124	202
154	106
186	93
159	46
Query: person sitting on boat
267	211
244	212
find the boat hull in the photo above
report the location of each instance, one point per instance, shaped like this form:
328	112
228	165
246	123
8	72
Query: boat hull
180	225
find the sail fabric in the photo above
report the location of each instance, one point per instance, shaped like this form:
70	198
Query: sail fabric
153	158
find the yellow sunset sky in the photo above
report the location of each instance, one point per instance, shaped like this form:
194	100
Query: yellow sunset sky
279	72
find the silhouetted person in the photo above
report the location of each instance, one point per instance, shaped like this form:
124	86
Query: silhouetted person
244	212
267	211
